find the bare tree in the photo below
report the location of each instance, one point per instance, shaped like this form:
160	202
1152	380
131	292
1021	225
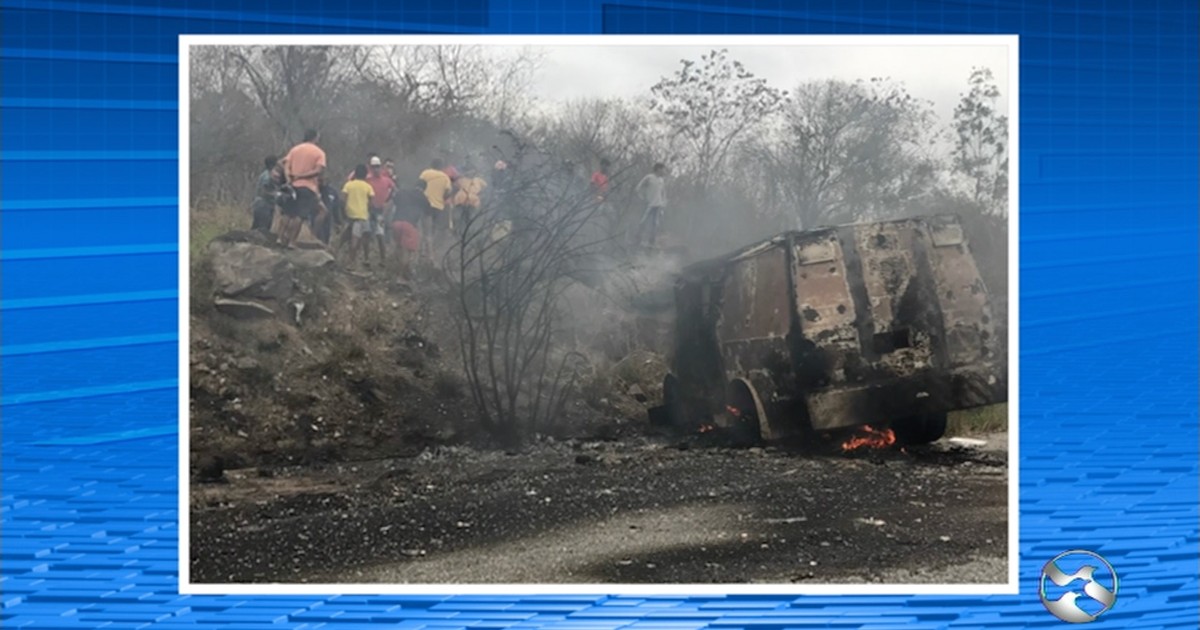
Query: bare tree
227	140
708	105
981	147
849	151
297	86
453	81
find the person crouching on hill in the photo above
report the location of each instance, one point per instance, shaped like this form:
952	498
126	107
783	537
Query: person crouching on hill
411	209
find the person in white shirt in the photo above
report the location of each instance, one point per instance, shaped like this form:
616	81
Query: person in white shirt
653	190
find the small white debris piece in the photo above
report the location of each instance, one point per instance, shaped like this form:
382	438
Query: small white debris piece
871	521
944	538
787	521
961	441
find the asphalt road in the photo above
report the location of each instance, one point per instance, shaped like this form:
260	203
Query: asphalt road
641	511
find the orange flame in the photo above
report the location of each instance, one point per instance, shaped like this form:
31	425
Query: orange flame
705	428
869	437
734	411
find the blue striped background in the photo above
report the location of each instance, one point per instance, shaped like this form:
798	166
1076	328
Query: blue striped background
88	293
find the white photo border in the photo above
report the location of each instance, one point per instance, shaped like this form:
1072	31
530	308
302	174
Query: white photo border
1012	587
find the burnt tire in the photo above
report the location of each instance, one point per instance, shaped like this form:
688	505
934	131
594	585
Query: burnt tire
745	429
674	411
921	429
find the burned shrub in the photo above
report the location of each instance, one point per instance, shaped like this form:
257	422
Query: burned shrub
447	385
511	264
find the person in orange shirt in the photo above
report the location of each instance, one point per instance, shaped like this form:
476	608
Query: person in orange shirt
305	164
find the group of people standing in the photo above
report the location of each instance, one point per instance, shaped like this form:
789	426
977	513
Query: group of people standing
372	208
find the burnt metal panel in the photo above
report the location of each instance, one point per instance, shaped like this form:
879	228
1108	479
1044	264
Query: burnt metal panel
756	317
756	298
966	312
925	391
900	329
825	307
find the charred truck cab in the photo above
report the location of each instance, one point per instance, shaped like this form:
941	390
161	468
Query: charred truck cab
884	323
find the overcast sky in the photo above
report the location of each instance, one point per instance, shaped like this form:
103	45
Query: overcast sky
933	72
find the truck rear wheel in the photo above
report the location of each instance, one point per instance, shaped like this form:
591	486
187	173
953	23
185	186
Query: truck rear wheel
920	429
673	407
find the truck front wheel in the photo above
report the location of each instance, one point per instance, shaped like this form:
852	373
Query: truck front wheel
747	413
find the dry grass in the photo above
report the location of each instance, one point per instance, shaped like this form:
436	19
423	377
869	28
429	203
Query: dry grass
209	223
203	285
988	419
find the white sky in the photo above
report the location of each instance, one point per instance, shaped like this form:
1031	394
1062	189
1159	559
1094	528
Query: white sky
934	72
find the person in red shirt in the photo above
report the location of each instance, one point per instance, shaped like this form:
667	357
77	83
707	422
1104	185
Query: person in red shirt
600	180
384	187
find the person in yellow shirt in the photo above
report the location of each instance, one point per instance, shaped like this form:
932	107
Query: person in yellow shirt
437	192
470	191
358	195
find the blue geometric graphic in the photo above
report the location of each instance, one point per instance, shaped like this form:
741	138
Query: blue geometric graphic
88	300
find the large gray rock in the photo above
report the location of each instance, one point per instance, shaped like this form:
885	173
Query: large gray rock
309	258
247	270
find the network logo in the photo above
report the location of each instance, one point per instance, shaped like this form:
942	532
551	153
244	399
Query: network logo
1086	586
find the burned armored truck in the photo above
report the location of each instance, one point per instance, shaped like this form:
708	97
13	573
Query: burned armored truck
880	324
